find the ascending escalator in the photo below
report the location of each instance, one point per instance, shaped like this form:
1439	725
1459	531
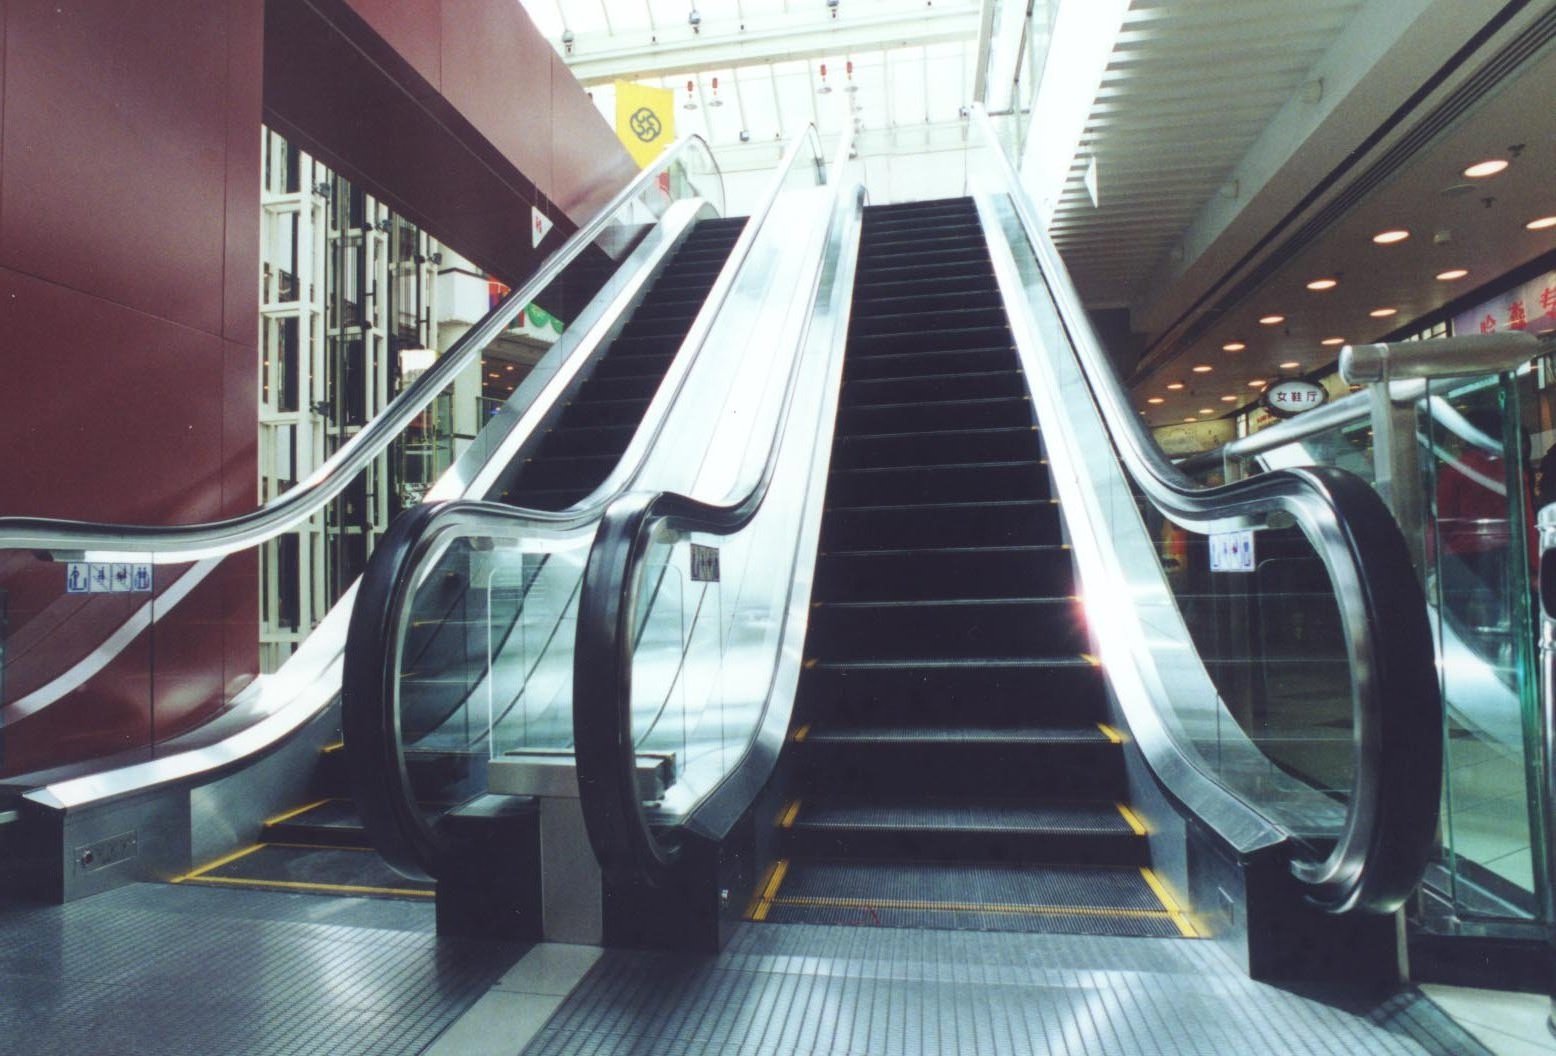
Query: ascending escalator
577	453
954	765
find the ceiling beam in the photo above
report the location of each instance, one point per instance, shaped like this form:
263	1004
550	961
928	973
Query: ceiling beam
598	58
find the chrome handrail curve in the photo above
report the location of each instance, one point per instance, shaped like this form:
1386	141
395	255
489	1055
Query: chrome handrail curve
369	693
1390	827
176	544
625	843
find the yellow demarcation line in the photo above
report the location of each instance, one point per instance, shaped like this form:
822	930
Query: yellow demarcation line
289	815
1110	733
1092	660
812	662
1135	823
969	907
802	733
223	860
786	819
331	749
298	885
775	877
1179	917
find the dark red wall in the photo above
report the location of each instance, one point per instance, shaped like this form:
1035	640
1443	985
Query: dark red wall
129	251
455	112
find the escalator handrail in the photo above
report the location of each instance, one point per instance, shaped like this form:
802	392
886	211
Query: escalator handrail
1390	828
186	542
624	841
369	698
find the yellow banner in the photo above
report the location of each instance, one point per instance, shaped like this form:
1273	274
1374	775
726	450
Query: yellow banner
645	120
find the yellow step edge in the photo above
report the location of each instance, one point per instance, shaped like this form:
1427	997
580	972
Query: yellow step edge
1092	660
242	852
1110	733
802	733
1185	926
775	877
786	819
969	907
294	812
331	749
1136	823
322	889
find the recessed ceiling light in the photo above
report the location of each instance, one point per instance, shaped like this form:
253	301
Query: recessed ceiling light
1207	410
1272	320
1191	418
1290	364
1229	399
1323	284
1388	238
1203	368
1175	386
1332	341
1257	384
1383	313
1542	223
1482	169
1156	399
1233	346
1452	274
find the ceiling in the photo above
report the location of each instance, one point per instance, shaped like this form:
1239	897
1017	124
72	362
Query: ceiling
1242	147
756	66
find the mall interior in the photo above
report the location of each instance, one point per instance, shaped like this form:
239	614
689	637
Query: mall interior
777	526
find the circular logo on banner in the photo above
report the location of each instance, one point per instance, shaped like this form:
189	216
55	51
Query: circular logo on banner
645	124
1289	397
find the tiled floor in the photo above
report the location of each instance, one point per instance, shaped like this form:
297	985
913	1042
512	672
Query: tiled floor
154	969
1506	1023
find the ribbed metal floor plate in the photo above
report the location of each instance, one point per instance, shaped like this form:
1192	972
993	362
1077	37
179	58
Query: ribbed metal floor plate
161	969
816	990
963	816
1087	900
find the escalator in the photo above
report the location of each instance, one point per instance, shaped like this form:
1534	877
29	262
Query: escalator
575	455
954	764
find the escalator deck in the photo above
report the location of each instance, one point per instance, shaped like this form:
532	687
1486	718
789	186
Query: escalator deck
953	763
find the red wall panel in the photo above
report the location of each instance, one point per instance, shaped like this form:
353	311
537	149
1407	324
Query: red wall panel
129	250
115	169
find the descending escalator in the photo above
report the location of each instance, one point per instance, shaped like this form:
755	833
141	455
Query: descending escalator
586	441
953	763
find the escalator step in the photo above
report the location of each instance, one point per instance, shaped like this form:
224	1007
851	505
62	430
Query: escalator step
961	628
1003	691
971	482
914	574
934	340
589	440
883	450
1002	412
925	388
570	471
1003	523
1099	832
604	412
329	822
1093	900
914	364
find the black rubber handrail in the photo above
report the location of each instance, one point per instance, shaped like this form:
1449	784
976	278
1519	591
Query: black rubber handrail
1391	820
370	701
